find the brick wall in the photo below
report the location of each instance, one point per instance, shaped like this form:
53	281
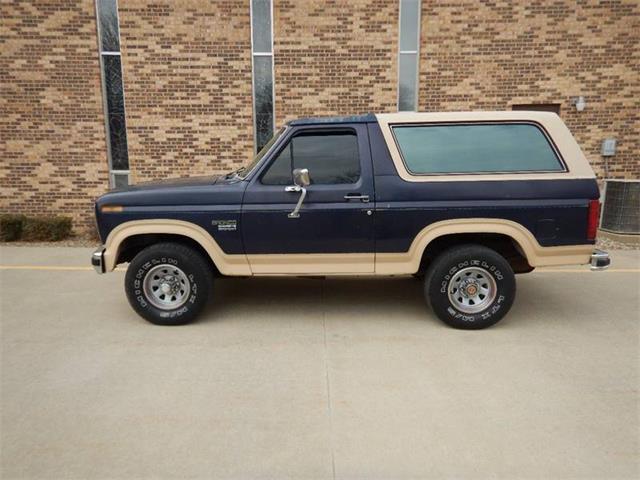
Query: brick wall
187	80
335	57
493	55
187	83
52	139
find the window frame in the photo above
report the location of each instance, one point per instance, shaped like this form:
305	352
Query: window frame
548	138
310	131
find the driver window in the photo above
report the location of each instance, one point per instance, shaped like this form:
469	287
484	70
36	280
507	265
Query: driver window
331	158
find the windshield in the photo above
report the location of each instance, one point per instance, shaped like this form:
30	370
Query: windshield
246	170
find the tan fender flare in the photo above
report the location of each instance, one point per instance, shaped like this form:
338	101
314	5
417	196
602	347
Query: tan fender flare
226	264
537	255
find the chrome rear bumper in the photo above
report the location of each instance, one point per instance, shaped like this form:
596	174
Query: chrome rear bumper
600	260
97	260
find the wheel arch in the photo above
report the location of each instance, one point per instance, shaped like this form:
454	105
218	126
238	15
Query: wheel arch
524	241
495	233
501	243
139	233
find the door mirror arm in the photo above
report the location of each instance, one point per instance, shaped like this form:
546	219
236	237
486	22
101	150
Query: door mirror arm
303	194
301	180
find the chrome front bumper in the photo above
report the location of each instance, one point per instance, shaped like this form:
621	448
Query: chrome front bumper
97	260
600	260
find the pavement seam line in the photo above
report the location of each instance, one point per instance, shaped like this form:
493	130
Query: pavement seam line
326	371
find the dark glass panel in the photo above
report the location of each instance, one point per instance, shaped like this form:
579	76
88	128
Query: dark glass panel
109	30
475	149
331	158
407	82
120	180
409	28
279	172
118	142
261	28
113	83
263	99
264	129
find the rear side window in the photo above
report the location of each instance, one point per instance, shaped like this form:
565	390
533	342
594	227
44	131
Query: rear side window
479	148
331	158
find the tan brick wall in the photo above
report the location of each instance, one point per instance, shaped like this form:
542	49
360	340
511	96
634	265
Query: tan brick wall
478	56
335	57
52	140
187	84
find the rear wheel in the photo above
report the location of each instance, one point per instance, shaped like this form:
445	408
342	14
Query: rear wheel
470	287
168	283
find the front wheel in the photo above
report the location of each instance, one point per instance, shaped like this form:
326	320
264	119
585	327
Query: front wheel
470	287
168	283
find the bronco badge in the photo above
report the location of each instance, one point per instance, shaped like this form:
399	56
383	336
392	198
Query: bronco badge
225	225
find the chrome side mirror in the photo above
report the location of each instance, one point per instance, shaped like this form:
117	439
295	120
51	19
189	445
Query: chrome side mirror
301	180
301	177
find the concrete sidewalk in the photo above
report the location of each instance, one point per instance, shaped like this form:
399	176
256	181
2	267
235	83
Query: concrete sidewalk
339	378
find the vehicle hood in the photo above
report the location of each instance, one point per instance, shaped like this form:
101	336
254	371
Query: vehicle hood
169	183
177	192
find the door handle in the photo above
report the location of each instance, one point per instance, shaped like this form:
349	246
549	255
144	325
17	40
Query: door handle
357	196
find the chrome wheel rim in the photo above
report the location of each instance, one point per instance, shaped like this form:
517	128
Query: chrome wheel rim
166	287
472	290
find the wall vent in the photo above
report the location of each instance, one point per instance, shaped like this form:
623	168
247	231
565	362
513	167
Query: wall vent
621	211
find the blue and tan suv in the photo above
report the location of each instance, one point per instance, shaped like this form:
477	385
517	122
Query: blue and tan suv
462	200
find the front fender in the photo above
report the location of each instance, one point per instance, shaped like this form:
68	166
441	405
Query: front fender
227	264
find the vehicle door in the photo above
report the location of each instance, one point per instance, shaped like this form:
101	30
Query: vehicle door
323	227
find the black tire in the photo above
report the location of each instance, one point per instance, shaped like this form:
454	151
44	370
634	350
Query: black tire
190	275
465	263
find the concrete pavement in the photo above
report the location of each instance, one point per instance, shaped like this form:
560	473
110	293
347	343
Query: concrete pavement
302	378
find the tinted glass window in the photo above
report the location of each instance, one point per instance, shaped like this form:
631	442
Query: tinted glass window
109	31
475	148
113	83
263	100
331	158
279	172
118	141
261	16
407	82
409	24
120	180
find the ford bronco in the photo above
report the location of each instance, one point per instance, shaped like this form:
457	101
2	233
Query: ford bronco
462	201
